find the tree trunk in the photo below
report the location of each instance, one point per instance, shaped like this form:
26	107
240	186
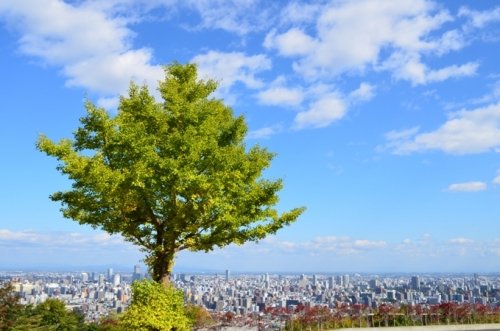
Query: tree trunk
162	265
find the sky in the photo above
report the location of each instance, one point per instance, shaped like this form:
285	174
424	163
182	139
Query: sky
384	115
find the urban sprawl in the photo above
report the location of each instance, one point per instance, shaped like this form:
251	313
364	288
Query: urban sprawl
259	296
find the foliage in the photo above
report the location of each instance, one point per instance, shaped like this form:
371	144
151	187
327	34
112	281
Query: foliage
106	323
350	316
169	176
199	317
53	312
10	309
155	307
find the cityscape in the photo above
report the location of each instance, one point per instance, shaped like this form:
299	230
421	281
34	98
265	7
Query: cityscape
256	297
277	165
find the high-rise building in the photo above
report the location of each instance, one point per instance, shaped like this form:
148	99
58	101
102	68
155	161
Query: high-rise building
227	275
137	273
415	283
340	280
110	274
85	277
345	280
101	279
116	279
331	282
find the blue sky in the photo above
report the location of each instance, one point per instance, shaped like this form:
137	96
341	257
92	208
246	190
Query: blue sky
385	117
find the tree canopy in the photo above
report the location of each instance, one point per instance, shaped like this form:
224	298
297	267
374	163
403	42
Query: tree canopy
171	175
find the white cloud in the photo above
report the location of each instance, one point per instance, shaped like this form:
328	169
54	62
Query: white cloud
97	240
465	132
410	67
300	12
461	241
479	19
402	135
281	96
369	244
92	48
364	92
111	74
291	43
353	36
329	244
264	133
439	75
230	68
237	16
496	180
321	113
467	187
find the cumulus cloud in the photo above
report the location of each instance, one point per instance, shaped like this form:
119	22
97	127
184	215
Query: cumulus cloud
300	12
338	245
281	96
479	19
465	132
264	133
61	240
364	92
93	49
291	43
231	68
321	113
467	187
413	70
92	43
236	16
371	34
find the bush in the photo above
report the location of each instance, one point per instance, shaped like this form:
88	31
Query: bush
155	307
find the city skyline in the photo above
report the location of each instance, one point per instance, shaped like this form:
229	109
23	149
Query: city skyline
385	118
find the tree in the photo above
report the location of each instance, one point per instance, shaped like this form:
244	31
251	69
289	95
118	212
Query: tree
55	316
199	317
155	307
10	308
169	176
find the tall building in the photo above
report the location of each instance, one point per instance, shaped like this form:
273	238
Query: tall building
137	273
227	275
110	274
116	279
345	280
101	279
340	280
415	283
331	282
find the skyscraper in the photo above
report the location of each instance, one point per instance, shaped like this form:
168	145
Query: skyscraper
137	273
227	275
110	274
331	282
345	280
116	279
415	283
101	279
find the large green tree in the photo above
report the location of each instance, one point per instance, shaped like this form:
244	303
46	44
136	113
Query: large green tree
171	175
